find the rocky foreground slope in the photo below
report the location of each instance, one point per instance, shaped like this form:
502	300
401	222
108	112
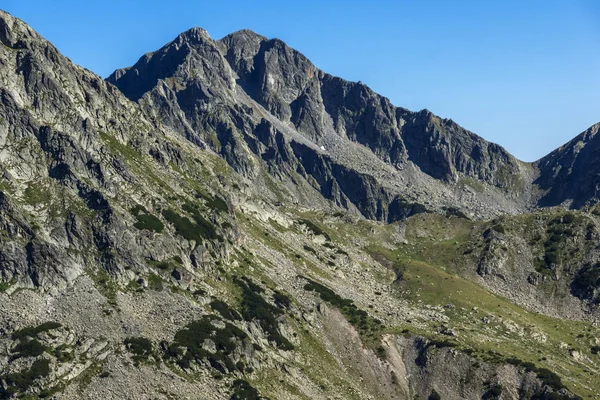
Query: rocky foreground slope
225	221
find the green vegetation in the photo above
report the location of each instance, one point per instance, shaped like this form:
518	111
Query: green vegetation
493	393
282	300
309	249
105	285
145	220
183	226
188	345
586	283
198	230
155	282
558	231
37	193
20	382
226	312
32	332
140	347
489	327
314	228
499	228
214	202
4	286
206	228
255	307
365	324
28	348
453	211
242	390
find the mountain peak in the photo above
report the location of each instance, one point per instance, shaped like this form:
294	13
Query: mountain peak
194	35
246	34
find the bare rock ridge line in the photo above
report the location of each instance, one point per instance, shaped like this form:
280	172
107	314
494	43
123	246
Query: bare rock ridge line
416	154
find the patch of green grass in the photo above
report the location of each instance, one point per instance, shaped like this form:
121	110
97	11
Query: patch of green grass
360	319
155	282
37	193
114	145
198	230
4	286
105	285
145	220
424	284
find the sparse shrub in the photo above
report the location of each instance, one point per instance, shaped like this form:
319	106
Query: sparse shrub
187	346
145	220
254	307
183	226
205	228
360	319
434	395
557	232
282	300
32	331
29	348
140	347
242	390
456	212
20	382
309	249
214	202
549	378
586	282
493	393
225	310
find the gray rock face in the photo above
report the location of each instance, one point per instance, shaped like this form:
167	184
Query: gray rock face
570	173
215	93
70	143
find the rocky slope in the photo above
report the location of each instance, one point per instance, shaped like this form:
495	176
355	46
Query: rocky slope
232	223
569	175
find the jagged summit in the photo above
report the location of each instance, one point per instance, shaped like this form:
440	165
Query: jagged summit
246	34
314	107
194	35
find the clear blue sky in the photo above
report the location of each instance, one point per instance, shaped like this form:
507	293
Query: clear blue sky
524	74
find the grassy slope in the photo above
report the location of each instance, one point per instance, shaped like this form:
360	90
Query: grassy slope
430	279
